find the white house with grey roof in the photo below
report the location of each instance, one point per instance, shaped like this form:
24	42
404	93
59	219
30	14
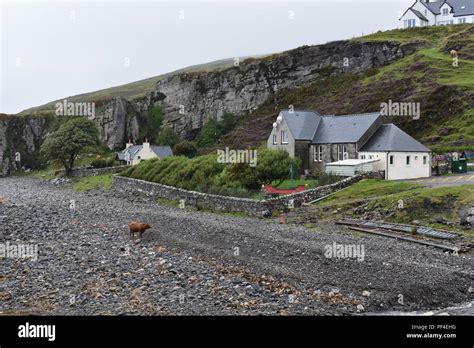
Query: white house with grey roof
443	12
331	143
134	154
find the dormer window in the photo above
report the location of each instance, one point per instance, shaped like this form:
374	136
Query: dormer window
445	11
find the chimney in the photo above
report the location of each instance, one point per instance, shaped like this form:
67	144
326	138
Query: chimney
146	145
128	144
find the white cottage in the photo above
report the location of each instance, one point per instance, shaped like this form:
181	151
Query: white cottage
134	154
442	12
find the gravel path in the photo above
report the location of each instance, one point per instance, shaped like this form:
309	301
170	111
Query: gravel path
202	263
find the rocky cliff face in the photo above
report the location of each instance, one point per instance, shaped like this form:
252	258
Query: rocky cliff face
4	163
117	122
188	100
22	135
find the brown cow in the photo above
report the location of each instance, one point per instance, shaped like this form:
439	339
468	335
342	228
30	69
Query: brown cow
137	227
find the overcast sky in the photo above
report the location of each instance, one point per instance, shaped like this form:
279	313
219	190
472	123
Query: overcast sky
55	49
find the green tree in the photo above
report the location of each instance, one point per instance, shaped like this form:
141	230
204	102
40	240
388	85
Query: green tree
167	136
228	123
69	140
214	129
153	124
209	134
185	148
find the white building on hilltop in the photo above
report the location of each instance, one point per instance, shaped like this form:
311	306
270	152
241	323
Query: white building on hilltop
442	12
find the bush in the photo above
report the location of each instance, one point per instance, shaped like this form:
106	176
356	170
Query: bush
324	178
191	174
272	165
185	148
99	163
153	124
214	129
167	136
103	163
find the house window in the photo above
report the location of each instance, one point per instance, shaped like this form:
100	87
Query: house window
284	137
362	157
409	23
319	153
342	152
462	20
425	160
275	139
408	160
445	11
371	156
391	159
426	12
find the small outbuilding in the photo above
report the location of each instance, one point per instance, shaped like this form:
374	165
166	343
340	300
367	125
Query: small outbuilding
350	167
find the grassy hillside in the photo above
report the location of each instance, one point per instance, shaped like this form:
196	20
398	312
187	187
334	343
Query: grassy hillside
446	93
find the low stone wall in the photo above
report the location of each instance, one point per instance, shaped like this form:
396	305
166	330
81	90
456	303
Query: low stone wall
307	196
86	171
214	202
231	204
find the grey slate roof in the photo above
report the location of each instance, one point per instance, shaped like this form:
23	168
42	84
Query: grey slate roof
132	151
460	7
419	15
343	129
303	124
391	138
162	151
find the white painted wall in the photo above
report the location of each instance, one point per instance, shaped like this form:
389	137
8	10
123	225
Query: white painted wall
445	19
399	169
290	147
425	12
144	154
411	15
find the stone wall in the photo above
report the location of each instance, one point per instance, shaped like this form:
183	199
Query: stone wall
208	201
80	172
231	204
310	195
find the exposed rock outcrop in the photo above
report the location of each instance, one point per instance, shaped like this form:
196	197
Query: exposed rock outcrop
22	135
189	100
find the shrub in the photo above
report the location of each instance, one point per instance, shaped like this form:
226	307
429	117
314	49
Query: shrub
272	165
185	148
99	163
167	136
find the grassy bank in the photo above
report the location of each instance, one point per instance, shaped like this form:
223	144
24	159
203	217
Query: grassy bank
88	183
438	207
